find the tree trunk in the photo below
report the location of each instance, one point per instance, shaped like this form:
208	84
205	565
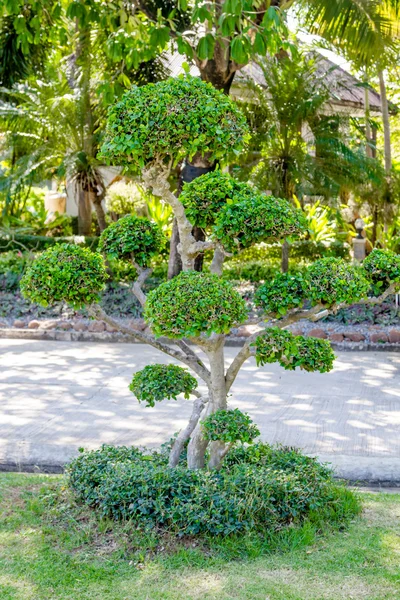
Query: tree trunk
368	149
175	262
84	212
100	214
285	257
198	166
217	401
386	124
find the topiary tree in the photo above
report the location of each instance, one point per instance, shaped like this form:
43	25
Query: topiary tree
150	129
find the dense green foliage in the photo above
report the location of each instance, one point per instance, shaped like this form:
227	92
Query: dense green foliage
171	120
382	267
251	494
65	272
283	292
230	426
291	351
257	219
12	268
204	197
132	238
125	198
333	281
21	242
155	383
193	303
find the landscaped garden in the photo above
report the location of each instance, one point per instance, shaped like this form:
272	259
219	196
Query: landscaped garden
265	214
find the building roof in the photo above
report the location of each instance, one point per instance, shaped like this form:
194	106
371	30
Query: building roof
347	92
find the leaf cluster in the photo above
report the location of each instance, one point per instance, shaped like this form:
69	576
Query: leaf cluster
171	120
292	351
155	383
334	281
284	292
132	238
65	272
205	196
193	303
230	426
257	219
382	267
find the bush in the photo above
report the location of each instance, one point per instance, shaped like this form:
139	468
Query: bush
193	303
204	197
132	238
292	351
155	383
259	489
332	281
257	219
383	268
285	291
12	267
230	426
65	272
172	119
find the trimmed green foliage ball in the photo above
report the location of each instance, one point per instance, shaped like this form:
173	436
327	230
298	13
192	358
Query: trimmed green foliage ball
284	292
382	267
155	383
173	119
230	426
193	303
65	272
257	219
333	281
291	351
204	197
132	238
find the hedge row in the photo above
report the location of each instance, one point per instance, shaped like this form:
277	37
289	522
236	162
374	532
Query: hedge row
41	242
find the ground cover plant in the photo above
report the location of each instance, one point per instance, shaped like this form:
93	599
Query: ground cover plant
150	129
53	547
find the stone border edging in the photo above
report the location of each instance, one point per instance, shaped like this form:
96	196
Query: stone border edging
117	337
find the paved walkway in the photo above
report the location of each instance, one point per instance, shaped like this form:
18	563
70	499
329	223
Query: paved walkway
58	396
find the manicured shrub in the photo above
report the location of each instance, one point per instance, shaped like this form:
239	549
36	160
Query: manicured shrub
257	219
333	281
291	351
193	303
382	268
230	426
132	238
204	197
65	272
259	489
155	383
283	292
173	119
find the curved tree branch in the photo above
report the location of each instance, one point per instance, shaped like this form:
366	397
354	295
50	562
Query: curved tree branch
98	313
313	314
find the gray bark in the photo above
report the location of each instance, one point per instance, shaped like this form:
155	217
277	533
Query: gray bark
185	434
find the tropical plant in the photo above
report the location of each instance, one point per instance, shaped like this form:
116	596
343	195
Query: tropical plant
197	308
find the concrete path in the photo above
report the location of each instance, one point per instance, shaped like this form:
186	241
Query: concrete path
58	396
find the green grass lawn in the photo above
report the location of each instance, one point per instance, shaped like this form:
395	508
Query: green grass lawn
52	550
